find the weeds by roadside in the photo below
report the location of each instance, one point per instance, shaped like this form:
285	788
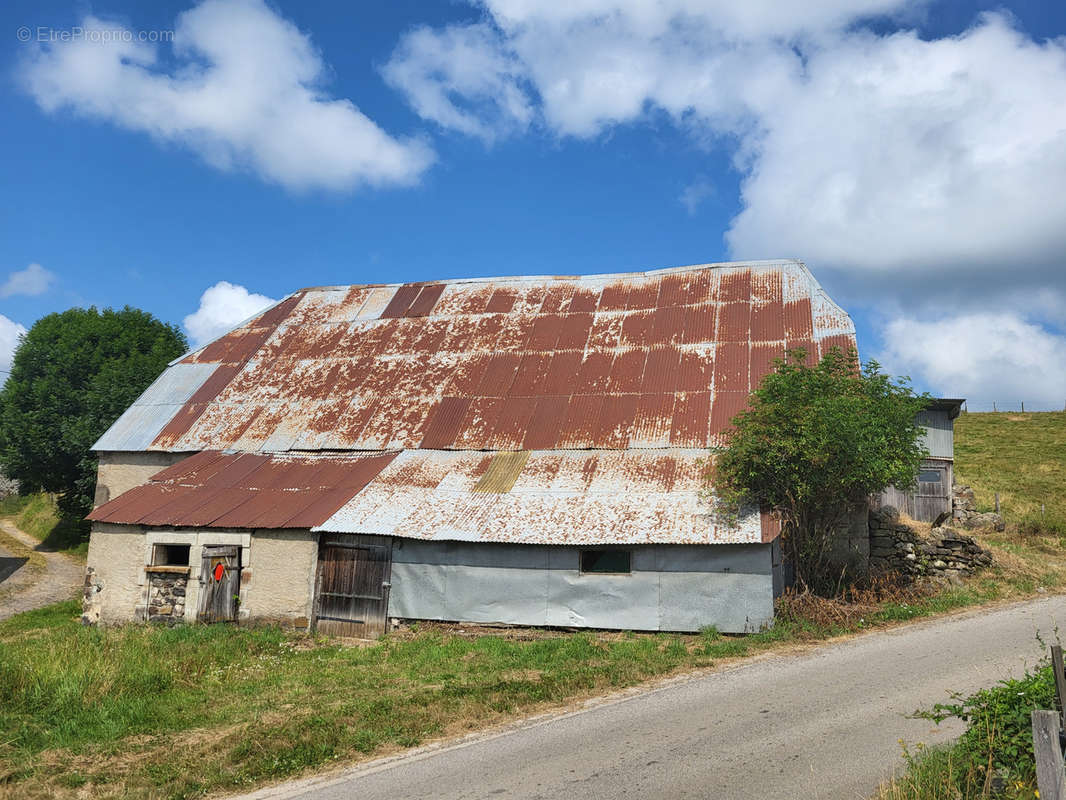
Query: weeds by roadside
994	757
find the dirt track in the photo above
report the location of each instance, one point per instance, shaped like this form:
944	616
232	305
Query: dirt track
31	577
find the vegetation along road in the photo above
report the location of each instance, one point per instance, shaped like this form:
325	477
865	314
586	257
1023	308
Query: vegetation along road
822	724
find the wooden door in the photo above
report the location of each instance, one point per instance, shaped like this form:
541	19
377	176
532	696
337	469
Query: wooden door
220	584
352	585
933	495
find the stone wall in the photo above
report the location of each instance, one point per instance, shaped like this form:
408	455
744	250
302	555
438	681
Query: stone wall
166	595
894	547
965	514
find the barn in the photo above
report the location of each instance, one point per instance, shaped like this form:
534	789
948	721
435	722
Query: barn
521	451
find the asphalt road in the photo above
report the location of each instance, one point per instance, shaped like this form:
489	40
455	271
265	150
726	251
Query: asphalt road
824	723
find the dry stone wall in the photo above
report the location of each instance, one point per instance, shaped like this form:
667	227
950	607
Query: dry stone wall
964	511
947	553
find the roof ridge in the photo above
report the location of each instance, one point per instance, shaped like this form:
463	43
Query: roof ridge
598	276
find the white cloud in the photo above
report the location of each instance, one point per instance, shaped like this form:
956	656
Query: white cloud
895	154
10	332
33	280
222	307
459	78
246	92
861	153
984	357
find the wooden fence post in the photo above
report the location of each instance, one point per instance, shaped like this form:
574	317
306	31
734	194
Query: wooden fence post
1050	777
997	502
1060	678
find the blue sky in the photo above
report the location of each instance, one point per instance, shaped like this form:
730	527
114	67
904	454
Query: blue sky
912	154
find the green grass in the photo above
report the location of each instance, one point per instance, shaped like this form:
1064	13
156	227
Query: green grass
145	711
37	515
1020	456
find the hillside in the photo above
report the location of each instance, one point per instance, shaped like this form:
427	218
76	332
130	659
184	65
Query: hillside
1021	456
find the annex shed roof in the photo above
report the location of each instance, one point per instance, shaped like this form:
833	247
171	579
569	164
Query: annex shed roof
245	490
644	360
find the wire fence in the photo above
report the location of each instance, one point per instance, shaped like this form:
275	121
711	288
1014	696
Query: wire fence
1013	406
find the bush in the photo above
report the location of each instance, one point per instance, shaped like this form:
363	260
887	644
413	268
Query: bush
999	735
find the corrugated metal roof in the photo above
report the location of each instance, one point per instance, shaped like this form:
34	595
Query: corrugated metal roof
142	422
635	360
557	497
245	490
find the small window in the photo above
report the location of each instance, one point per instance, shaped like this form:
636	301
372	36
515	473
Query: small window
929	476
611	562
170	555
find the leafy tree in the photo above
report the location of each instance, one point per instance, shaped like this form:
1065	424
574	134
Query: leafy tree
815	441
73	374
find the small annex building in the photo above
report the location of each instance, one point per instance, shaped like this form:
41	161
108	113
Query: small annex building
932	494
509	450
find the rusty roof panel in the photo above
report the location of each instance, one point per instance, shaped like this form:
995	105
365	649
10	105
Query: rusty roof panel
627	371
446	422
546	423
368	367
768	322
731	363
691	420
651	425
637	329
696	369
562	373
425	301
242	490
700	324
843	341
582	421
401	301
544	497
727	405
661	370
798	322
616	420
513	423
763	355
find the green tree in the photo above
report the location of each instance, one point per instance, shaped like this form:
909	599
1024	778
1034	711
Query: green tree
815	441
73	374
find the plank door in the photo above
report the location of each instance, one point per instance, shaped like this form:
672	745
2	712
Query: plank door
352	585
933	496
220	584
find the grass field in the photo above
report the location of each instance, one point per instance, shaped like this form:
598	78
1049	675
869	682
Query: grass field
1020	456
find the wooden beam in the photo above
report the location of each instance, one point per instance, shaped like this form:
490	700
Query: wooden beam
1060	678
1050	777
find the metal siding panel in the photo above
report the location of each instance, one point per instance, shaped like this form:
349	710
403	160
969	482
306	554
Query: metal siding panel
619	602
731	602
